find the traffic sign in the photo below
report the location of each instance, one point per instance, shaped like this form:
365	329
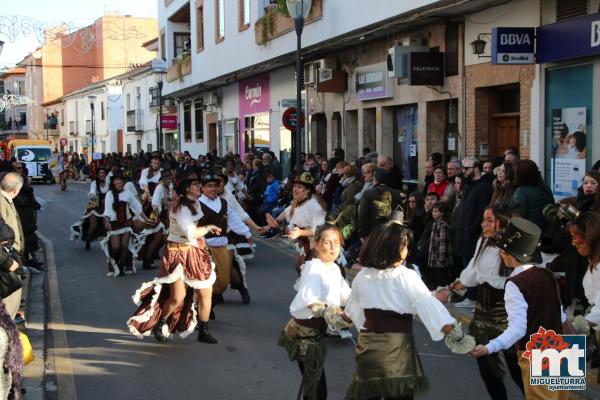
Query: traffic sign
289	119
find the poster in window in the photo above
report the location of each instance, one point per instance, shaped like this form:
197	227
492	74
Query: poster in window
569	150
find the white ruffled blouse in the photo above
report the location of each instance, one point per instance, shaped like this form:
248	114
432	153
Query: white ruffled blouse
182	228
400	290
126	196
93	189
308	215
318	283
484	267
591	288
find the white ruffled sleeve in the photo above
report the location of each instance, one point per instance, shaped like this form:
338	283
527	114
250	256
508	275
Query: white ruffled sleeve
157	197
353	309
134	205
318	216
309	292
109	211
143	182
93	189
184	221
431	312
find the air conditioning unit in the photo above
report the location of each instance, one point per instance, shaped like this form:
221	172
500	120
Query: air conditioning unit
309	73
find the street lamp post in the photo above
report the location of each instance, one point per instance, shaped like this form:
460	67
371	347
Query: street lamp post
298	10
159	142
91	99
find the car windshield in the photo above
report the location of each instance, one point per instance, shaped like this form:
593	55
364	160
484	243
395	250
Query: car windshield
30	154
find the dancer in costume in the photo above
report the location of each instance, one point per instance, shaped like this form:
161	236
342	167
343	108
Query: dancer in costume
149	179
487	272
155	237
240	249
119	208
303	216
216	211
166	304
90	226
385	297
321	292
531	298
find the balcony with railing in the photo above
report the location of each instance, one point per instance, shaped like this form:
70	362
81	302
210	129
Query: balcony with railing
51	128
182	66
131	121
73	131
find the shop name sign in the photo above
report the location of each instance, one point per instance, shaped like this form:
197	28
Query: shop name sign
372	82
254	94
513	45
577	37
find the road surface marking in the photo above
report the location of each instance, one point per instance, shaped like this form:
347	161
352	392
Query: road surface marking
60	349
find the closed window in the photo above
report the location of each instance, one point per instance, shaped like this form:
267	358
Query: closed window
199	122
220	20
102	110
200	26
187	122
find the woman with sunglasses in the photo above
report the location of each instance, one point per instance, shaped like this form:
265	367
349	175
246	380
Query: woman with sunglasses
487	272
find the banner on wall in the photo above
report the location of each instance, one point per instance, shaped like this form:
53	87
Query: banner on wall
569	150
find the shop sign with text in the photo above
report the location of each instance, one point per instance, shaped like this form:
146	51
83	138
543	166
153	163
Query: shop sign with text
372	82
513	45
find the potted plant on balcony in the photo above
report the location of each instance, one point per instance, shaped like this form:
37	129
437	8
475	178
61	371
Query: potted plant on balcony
185	60
267	21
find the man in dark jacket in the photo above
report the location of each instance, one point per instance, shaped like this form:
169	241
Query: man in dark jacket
393	173
376	204
475	198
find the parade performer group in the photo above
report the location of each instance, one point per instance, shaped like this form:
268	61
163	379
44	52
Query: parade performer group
206	236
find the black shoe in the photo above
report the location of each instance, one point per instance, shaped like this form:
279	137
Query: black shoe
245	295
204	335
158	331
218	299
269	234
88	245
148	265
34	266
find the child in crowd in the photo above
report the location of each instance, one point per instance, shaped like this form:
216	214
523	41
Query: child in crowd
440	254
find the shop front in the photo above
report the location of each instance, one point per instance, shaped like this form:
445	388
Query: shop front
255	119
570	54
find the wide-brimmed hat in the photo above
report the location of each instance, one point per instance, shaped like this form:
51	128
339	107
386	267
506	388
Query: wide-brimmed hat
306	179
165	174
521	239
185	184
211	177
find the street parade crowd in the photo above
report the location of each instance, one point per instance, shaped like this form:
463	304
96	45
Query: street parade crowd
370	255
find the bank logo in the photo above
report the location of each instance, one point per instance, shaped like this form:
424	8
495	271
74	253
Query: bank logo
556	361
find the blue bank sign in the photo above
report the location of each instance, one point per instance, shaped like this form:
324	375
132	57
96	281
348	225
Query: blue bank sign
578	37
513	45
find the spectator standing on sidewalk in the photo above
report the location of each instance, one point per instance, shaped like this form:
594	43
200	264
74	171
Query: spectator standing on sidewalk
440	252
428	177
477	194
10	186
394	175
269	197
27	208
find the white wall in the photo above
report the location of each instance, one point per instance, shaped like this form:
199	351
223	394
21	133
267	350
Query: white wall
339	17
283	86
517	13
145	82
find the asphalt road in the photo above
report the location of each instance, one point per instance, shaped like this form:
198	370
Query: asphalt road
109	363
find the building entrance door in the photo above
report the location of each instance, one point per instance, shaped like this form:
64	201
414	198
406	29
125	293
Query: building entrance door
505	133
